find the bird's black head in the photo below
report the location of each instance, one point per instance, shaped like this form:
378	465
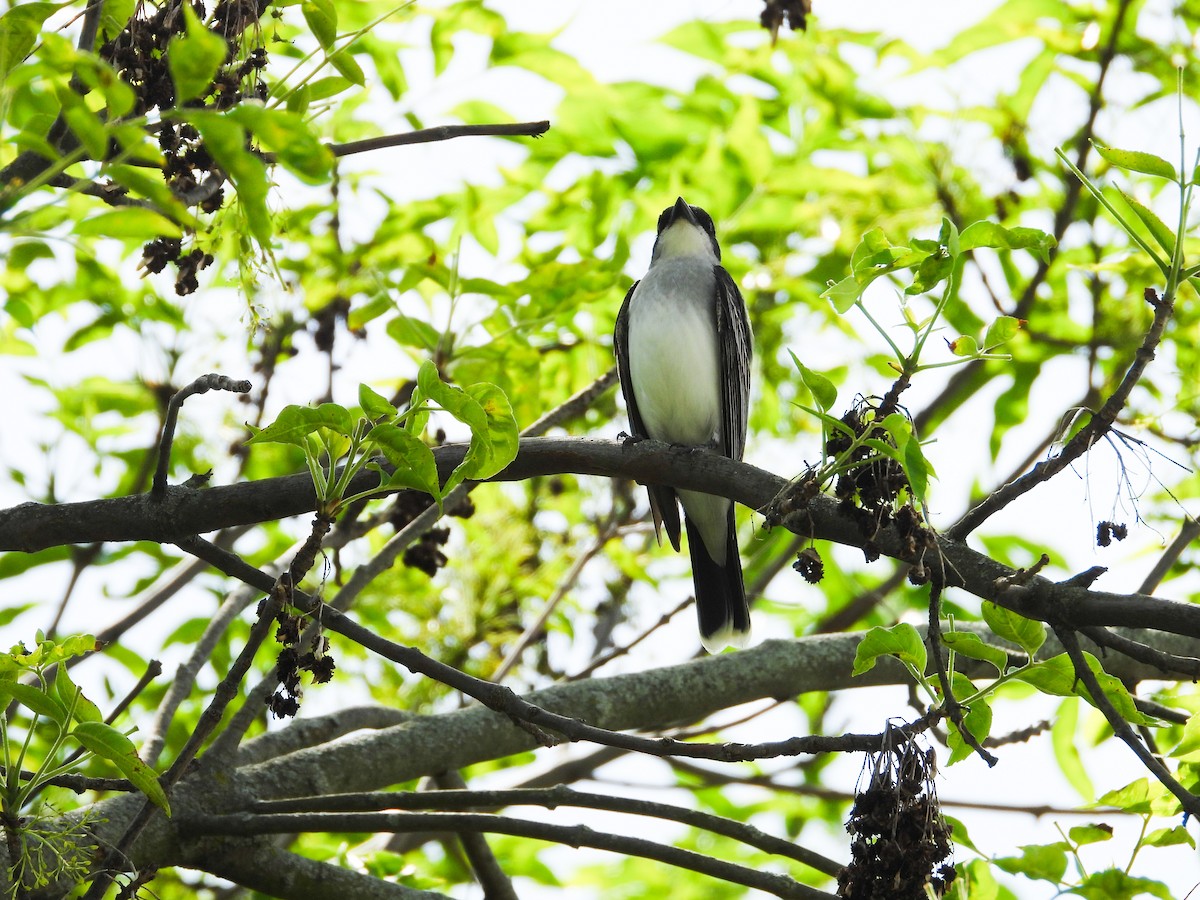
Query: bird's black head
682	214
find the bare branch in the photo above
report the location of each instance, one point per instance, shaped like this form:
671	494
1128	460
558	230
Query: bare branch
571	835
441	133
1095	429
551	798
201	385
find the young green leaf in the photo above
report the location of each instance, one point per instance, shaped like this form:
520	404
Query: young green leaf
194	57
821	388
294	424
1001	331
970	645
34	698
289	137
997	237
375	406
412	460
977	719
108	743
1066	750
1137	161
19	28
69	694
1025	633
902	641
1090	834
321	17
225	139
502	434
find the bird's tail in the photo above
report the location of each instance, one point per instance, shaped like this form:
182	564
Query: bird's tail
720	594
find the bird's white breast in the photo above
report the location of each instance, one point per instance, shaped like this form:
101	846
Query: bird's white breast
674	361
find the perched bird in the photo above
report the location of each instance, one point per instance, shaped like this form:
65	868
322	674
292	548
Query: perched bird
683	353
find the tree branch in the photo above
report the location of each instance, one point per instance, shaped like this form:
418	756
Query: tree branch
246	824
185	511
440	133
1096	428
551	798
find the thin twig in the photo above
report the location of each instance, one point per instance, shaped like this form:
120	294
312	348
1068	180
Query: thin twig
201	385
441	133
1096	428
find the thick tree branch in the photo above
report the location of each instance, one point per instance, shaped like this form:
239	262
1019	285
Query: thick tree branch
551	798
185	511
571	835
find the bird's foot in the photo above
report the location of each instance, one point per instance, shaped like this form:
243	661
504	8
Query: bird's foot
626	439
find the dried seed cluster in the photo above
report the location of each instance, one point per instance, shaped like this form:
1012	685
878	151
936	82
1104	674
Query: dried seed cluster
140	55
901	843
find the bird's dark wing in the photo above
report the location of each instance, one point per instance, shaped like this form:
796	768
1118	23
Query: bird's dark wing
662	498
733	338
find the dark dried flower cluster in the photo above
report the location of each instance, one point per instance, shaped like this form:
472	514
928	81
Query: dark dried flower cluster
871	485
140	55
901	843
778	12
810	565
1107	532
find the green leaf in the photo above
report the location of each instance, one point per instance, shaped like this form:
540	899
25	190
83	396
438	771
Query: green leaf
413	463
990	234
69	693
1134	798
85	124
131	222
934	269
970	645
1158	229
289	137
1025	633
845	293
19	28
37	700
114	16
493	429
502	435
977	719
374	405
902	641
1137	161
964	345
1066	750
321	17
1169	837
225	139
408	331
1045	862
348	66
822	389
1115	884
1001	331
1090	834
194	58
294	424
108	743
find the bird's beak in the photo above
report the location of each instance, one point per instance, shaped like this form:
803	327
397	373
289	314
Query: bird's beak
681	211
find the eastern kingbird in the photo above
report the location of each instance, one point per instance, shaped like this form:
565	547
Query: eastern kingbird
683	354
